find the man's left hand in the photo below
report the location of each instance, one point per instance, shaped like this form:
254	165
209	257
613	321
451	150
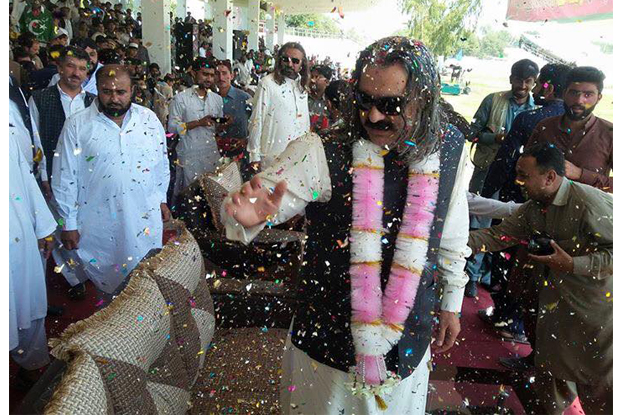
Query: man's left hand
448	329
165	213
558	261
571	171
46	245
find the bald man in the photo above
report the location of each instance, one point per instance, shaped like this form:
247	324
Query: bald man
110	180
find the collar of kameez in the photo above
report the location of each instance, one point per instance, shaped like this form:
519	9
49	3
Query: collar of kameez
562	196
82	91
589	123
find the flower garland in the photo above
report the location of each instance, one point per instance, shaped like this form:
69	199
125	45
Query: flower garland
378	318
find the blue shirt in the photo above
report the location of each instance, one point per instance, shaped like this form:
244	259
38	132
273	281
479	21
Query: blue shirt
235	105
502	172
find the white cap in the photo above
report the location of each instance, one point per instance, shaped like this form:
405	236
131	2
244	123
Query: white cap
133	45
60	32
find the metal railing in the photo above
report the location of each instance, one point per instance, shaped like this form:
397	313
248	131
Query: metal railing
298	31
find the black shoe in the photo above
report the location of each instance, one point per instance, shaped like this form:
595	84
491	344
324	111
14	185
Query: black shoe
77	292
520	364
470	290
486	315
55	311
512	337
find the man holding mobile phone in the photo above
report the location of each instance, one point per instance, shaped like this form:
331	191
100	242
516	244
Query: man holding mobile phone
192	114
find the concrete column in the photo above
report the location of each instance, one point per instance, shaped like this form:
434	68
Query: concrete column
181	8
222	30
208	10
270	29
281	28
253	12
156	32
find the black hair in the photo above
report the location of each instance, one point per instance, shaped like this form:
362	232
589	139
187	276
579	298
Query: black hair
27	39
523	69
20	52
109	57
338	91
55	52
555	74
324	70
87	43
200	62
74	52
548	157
154	65
225	63
586	74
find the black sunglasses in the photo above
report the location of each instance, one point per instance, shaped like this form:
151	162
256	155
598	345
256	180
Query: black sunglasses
386	105
287	59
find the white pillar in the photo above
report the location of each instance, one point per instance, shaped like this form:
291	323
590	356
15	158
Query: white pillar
222	30
181	8
253	12
270	25
208	10
156	32
281	28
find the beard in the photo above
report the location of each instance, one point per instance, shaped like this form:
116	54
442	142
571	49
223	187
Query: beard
114	110
520	94
575	117
288	72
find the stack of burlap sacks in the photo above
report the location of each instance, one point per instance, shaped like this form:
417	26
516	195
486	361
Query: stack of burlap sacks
142	354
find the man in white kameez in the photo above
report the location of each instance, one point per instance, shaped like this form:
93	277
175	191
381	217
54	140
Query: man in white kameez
386	203
192	115
30	229
110	181
280	107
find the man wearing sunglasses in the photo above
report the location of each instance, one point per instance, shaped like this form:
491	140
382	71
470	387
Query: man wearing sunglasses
280	105
388	221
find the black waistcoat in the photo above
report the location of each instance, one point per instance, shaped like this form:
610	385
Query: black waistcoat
51	119
321	326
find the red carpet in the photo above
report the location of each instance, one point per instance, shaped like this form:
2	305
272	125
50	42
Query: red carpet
470	374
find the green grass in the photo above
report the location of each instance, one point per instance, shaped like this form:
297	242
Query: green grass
482	84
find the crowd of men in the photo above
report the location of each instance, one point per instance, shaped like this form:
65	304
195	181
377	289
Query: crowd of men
95	129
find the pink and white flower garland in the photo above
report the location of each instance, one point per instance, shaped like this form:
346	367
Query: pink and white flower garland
378	318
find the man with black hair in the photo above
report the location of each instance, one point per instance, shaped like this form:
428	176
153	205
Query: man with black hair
492	121
57	103
320	78
32	46
233	134
574	332
516	303
280	105
192	115
110	180
585	139
89	84
41	78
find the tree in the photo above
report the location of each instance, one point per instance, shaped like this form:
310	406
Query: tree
441	24
315	21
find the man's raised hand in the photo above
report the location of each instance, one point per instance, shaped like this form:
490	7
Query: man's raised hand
254	204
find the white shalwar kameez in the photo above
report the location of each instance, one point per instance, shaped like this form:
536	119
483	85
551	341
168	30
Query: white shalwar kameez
197	149
29	220
280	116
308	386
109	183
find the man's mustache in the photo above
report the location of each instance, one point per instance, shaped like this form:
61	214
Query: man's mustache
380	125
